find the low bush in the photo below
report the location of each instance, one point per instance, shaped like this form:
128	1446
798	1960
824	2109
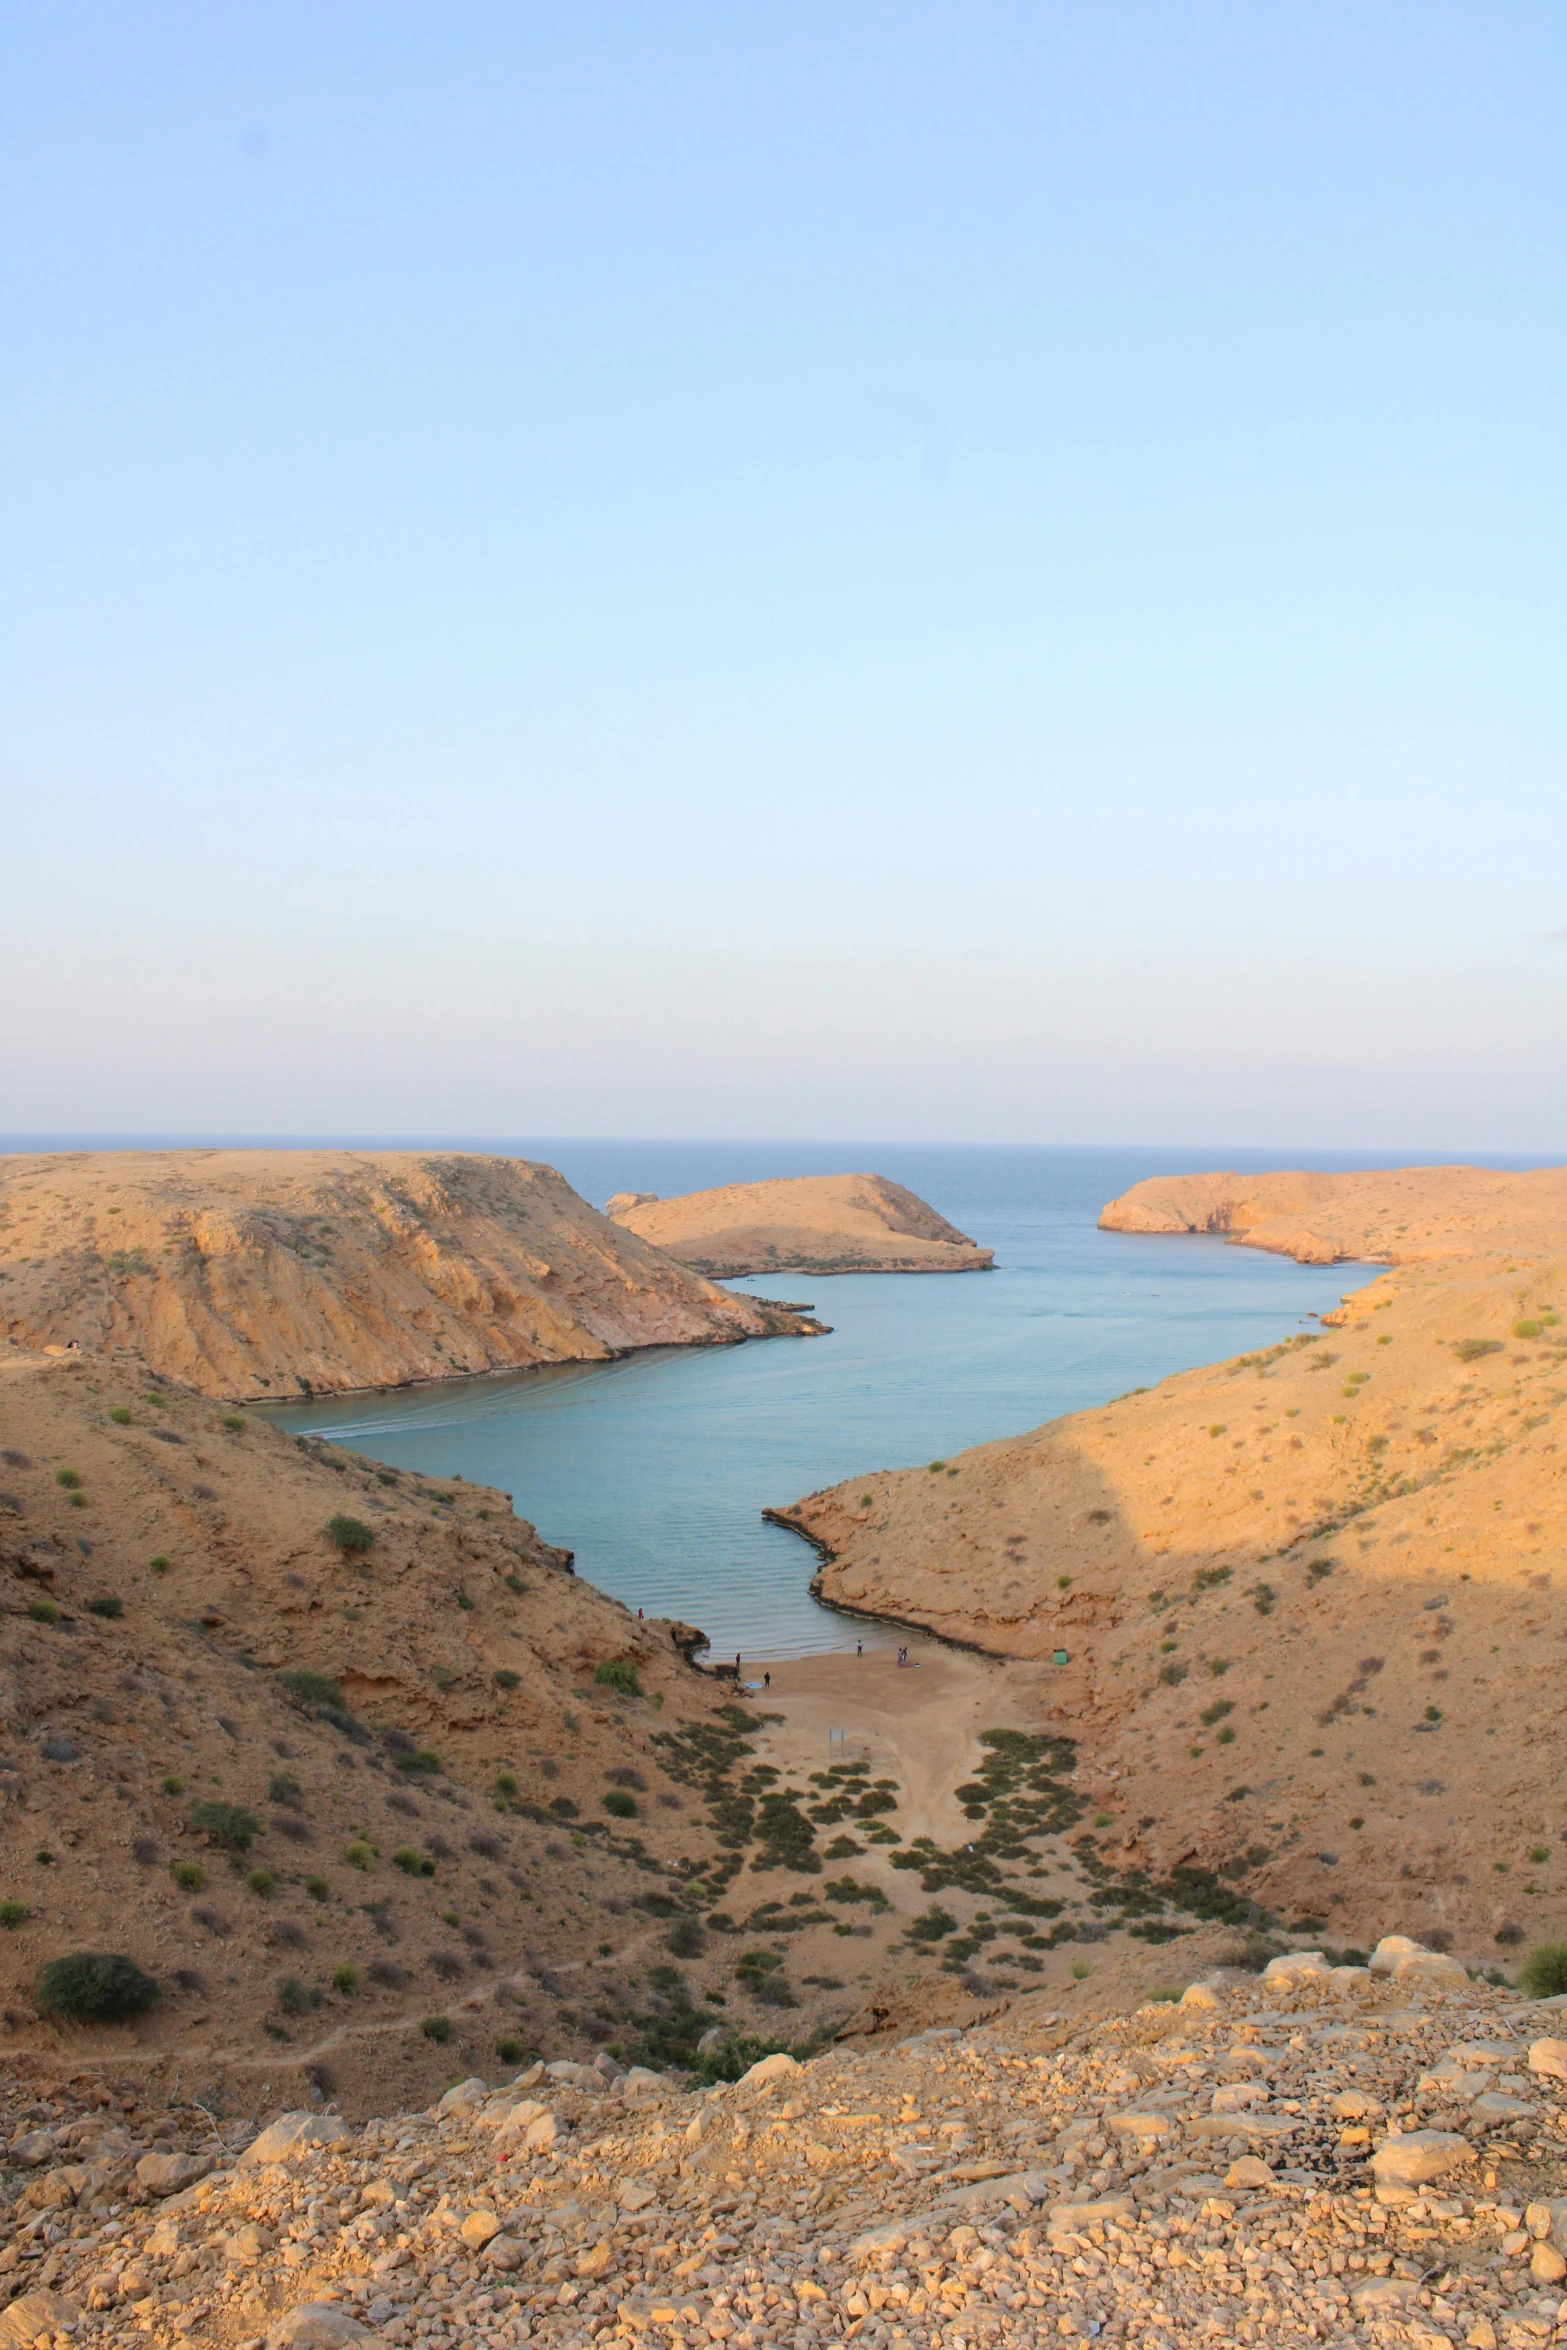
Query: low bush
120	1416
1471	1350
13	1914
437	2028
346	1979
227	1826
94	1987
1544	1972
360	1855
262	1883
189	1875
617	1674
160	1564
108	1604
349	1535
507	1679
318	1889
620	1805
685	1939
233	1422
69	1479
512	2051
283	1787
413	1864
43	1611
312	1689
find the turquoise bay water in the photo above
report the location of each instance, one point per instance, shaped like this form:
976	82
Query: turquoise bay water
654	1470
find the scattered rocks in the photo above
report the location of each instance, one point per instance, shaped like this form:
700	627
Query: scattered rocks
292	2137
996	2188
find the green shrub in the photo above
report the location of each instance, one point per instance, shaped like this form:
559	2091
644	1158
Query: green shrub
1173	1675
283	1787
228	1826
94	1987
506	1784
413	1864
233	1422
616	1674
43	1611
1544	1972
1319	1569
1539	1852
620	1805
160	1564
346	1979
349	1535
437	2028
69	1479
189	1875
121	1416
464	1600
292	1997
262	1882
14	1914
417	1759
512	2051
932	1925
1215	1712
311	1689
360	1855
108	1604
507	1679
173	1785
685	1939
1470	1350
318	1889
1528	1328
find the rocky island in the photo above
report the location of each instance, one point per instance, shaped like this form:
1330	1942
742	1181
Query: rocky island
818	1224
269	1273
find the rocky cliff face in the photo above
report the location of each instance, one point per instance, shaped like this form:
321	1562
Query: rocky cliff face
802	1224
269	1273
1309	1604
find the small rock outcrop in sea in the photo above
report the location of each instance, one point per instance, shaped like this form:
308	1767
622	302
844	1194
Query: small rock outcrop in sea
1328	2153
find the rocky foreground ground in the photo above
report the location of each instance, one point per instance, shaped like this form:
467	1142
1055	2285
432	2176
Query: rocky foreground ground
1322	2154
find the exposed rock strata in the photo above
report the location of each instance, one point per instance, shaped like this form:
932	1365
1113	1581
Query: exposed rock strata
1310	1602
267	1273
802	1224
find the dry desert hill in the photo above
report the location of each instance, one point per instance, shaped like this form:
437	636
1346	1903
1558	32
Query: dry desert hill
1311	1604
802	1224
255	1273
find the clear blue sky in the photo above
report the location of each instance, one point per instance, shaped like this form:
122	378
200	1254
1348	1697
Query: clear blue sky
978	572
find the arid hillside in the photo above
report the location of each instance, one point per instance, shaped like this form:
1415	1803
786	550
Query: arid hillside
422	1825
802	1224
1406	1216
274	1273
1310	1605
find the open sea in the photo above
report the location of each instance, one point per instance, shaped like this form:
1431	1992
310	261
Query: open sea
655	1470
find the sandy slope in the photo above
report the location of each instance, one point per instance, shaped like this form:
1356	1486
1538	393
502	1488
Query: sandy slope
802	1224
457	1626
1313	1601
255	1273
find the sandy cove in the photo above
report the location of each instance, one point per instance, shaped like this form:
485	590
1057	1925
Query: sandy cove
1310	1601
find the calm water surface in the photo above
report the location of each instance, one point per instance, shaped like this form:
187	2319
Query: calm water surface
655	1470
